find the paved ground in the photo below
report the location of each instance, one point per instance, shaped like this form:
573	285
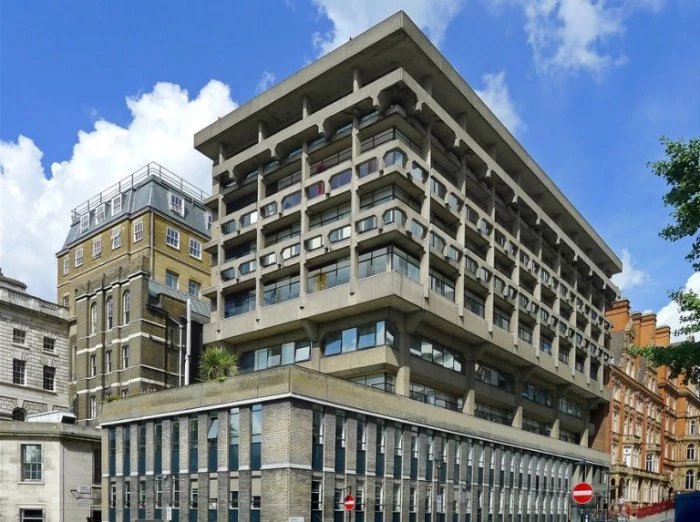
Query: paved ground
666	516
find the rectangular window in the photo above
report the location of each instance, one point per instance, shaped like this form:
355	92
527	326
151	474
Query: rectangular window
31	515
501	319
49	344
525	333
127	493
194	494
328	276
79	257
66	265
108	361
116	204
116	238
176	204
172	237
125	357
195	249
31	462
19	336
96	466
100	214
494	377
19	371
256	436
93	407
138	231
84	223
93	365
49	378
193	288
281	290
97	247
172	280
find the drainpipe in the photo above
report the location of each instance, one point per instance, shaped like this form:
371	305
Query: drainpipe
179	358
188	340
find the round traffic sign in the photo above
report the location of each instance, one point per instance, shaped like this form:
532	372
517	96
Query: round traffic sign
582	493
349	502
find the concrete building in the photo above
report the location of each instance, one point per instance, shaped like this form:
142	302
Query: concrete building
49	472
638	418
133	256
33	353
441	301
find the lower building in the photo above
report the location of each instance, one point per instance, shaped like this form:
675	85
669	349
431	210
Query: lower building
293	442
33	353
49	472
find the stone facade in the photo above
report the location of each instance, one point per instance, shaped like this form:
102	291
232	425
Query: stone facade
33	353
49	470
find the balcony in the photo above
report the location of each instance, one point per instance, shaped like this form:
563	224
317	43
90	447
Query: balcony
629	438
653	447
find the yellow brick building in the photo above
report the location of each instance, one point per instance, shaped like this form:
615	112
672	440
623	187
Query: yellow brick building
133	256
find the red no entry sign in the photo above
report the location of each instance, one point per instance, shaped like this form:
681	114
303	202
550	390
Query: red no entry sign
582	493
349	502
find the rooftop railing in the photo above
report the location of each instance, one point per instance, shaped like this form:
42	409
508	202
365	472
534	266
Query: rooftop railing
152	169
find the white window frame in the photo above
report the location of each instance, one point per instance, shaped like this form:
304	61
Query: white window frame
93	365
66	265
116	238
79	257
138	231
189	288
100	214
93	407
97	247
177	204
175	235
195	246
169	274
116	204
84	223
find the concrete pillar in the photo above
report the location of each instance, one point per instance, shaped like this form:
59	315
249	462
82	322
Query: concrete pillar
356	79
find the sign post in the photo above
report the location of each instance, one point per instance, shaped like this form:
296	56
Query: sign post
582	493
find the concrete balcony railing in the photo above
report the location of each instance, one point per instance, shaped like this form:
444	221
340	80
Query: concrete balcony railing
32	303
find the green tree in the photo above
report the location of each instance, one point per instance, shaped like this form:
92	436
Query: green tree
218	363
680	169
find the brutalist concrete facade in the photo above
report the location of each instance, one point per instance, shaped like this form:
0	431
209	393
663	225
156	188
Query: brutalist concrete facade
374	222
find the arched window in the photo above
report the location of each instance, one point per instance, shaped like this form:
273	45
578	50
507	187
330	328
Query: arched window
690	453
109	305
93	318
18	414
126	306
690	480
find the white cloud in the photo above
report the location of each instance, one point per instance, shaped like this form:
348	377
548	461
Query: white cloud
265	82
630	276
496	96
568	36
671	315
352	17
35	211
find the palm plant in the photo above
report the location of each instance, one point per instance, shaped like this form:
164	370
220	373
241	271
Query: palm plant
218	363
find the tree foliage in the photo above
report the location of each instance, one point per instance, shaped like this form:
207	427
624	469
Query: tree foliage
218	363
681	171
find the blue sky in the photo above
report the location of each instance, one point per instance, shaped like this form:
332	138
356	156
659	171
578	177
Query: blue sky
587	87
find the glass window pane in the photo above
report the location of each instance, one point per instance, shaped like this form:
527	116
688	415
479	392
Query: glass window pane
350	340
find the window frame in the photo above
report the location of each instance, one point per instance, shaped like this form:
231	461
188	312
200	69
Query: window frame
137	230
196	247
172	238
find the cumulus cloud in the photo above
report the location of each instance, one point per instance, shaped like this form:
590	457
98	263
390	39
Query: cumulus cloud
266	81
568	36
35	208
350	18
495	94
671	314
631	275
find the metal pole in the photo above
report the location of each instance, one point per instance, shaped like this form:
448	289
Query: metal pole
188	340
179	358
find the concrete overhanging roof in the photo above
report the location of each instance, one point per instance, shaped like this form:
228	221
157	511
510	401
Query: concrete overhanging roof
397	42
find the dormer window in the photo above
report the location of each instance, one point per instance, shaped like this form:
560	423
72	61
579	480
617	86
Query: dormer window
84	223
116	205
100	214
176	204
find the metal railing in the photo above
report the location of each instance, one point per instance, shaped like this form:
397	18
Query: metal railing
152	169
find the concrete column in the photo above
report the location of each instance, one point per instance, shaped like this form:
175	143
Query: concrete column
356	79
354	205
305	106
